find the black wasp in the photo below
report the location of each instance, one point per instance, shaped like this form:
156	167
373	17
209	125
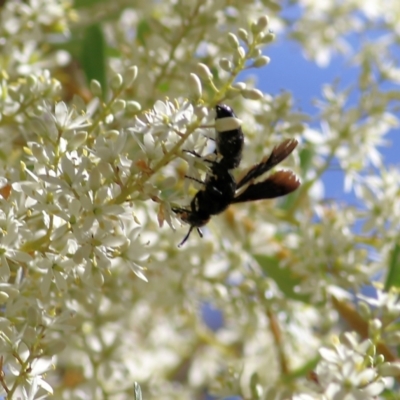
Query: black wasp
221	189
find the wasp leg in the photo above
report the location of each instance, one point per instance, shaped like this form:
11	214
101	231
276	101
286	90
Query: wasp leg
186	237
195	179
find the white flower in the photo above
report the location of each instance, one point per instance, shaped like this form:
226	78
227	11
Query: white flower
132	254
68	119
386	304
10	238
343	373
379	194
164	119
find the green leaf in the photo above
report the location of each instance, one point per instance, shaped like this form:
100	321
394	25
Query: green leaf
393	276
163	87
284	278
272	5
110	15
87	3
113	52
306	155
303	370
138	392
254	386
92	57
286	202
143	30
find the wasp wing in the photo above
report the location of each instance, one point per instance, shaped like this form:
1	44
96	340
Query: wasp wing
278	154
276	185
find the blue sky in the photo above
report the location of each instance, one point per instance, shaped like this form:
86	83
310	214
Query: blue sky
290	71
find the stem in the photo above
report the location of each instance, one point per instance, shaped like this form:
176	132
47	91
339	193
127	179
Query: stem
277	335
174	46
25	366
303	190
2	376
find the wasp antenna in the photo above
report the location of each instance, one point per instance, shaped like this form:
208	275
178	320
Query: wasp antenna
192	152
186	237
194	179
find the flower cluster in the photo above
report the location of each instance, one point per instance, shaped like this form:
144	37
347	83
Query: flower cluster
94	293
349	370
24	28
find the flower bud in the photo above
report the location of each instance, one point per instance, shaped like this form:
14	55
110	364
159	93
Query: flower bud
266	37
262	23
32	81
375	327
204	72
252	94
379	359
261	61
132	107
243	35
130	75
239	85
364	310
275	7
241	52
390	369
195	86
255	53
225	64
118	106
233	40
95	87
370	350
392	338
116	82
3	297
220	291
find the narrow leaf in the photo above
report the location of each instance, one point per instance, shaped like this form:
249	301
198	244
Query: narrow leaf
306	155
284	278
138	392
143	31
393	276
93	57
87	3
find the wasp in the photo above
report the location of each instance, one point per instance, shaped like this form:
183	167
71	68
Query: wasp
220	189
